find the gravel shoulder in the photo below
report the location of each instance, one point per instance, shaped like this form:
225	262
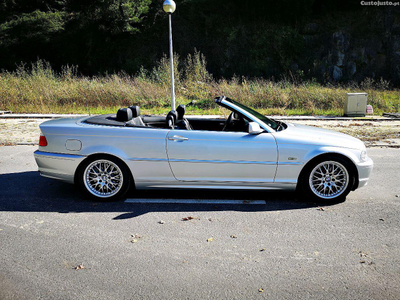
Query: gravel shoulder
384	133
372	133
20	131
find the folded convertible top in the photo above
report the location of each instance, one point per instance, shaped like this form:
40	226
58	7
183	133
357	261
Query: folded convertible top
110	120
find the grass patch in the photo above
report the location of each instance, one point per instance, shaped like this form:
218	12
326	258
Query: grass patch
39	89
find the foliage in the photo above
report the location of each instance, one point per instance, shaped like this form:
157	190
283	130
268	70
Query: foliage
37	25
38	88
89	33
108	15
249	38
196	68
161	73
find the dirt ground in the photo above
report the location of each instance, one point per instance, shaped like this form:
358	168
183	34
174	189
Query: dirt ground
372	132
20	131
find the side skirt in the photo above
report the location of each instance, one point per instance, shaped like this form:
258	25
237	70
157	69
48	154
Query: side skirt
225	186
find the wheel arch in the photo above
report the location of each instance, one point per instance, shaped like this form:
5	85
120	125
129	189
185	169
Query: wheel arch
352	165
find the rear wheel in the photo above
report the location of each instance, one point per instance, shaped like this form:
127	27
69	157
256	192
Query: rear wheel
327	180
104	178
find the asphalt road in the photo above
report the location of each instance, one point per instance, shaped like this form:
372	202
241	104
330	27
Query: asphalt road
285	249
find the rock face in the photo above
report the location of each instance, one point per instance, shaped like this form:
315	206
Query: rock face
337	73
353	53
351	68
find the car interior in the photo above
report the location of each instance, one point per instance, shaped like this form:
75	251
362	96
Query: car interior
175	119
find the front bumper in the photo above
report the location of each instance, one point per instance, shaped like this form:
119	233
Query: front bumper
364	171
57	165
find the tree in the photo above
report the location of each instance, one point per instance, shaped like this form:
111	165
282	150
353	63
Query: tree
111	16
88	33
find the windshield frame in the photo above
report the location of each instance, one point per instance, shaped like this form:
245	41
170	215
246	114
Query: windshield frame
270	124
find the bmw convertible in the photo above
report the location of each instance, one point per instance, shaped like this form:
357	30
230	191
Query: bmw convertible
106	155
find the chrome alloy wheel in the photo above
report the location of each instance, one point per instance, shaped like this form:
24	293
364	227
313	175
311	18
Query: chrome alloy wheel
329	179
103	178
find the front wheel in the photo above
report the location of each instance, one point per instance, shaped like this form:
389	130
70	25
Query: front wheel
104	178
327	180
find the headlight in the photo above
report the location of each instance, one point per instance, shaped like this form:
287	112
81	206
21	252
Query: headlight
363	155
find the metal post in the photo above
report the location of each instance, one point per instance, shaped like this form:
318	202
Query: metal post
171	54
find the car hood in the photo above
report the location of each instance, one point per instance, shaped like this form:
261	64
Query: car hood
303	134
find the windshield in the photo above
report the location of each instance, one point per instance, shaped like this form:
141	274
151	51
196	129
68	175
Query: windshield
271	123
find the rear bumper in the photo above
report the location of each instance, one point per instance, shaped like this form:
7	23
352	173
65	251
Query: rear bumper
58	166
364	171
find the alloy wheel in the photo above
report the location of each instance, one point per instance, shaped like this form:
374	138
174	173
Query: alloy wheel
329	179
103	178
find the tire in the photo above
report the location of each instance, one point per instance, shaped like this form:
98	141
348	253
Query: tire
104	178
327	180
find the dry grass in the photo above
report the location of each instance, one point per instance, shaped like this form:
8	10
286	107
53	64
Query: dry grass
39	89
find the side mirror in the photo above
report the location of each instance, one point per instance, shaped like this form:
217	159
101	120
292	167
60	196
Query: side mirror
254	128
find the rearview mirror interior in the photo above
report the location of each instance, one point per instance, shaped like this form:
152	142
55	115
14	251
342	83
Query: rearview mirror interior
254	128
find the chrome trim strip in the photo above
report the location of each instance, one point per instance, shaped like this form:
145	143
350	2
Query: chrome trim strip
58	155
224	161
205	161
147	159
217	161
289	163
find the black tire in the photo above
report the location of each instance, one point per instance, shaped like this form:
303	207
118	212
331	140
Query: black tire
103	178
328	179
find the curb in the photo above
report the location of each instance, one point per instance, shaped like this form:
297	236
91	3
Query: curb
38	116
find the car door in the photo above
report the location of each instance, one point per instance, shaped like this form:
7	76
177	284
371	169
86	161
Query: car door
143	149
219	156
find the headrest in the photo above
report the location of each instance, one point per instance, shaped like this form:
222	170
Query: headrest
124	114
171	118
181	111
135	110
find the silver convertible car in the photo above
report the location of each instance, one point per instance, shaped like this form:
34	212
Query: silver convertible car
107	154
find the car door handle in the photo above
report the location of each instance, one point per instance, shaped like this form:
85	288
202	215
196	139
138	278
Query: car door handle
178	138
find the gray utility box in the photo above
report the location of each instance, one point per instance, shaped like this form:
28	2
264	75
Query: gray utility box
355	105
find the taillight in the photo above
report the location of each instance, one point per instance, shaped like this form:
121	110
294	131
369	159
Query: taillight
42	141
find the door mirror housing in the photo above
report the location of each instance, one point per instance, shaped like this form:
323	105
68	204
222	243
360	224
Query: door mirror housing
254	128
